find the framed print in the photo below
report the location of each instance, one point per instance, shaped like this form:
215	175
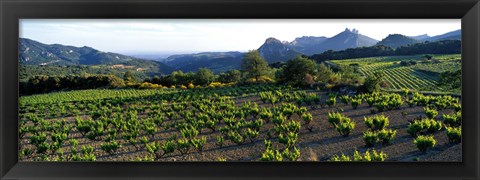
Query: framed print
239	89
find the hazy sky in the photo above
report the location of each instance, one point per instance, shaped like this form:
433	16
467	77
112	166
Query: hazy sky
194	35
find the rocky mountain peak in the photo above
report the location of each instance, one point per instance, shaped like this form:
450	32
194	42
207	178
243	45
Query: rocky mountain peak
272	40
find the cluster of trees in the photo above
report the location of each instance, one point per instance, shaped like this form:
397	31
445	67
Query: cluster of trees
408	63
302	71
45	84
451	80
29	71
203	77
299	71
374	82
361	52
253	69
437	47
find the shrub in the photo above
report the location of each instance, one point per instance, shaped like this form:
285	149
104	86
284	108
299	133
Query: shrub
356	102
335	118
431	113
147	85
289	139
256	125
343	157
293	126
454	134
433	125
266	114
377	156
386	135
25	152
376	122
368	156
87	152
168	147
415	128
149	126
452	119
38	138
332	95
457	107
198	143
153	148
42	148
221	159
291	155
301	110
370	101
395	101
424	142
307	117
215	84
405	92
189	132
430	125
146	158
58	137
211	124
84	126
345	127
383	105
288	112
422	100
251	134
345	99
110	147
183	145
271	155
279	119
331	102
370	138
411	102
236	137
220	141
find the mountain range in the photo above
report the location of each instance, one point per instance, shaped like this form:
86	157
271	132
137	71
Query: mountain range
36	53
397	40
452	35
457	35
273	50
215	61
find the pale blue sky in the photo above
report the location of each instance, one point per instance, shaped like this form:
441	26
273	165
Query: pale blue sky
199	35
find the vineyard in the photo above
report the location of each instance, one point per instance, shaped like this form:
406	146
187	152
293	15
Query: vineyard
242	123
421	75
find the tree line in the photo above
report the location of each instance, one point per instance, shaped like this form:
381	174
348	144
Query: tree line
299	71
437	47
45	84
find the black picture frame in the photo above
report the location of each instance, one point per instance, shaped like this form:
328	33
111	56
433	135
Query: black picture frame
466	10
